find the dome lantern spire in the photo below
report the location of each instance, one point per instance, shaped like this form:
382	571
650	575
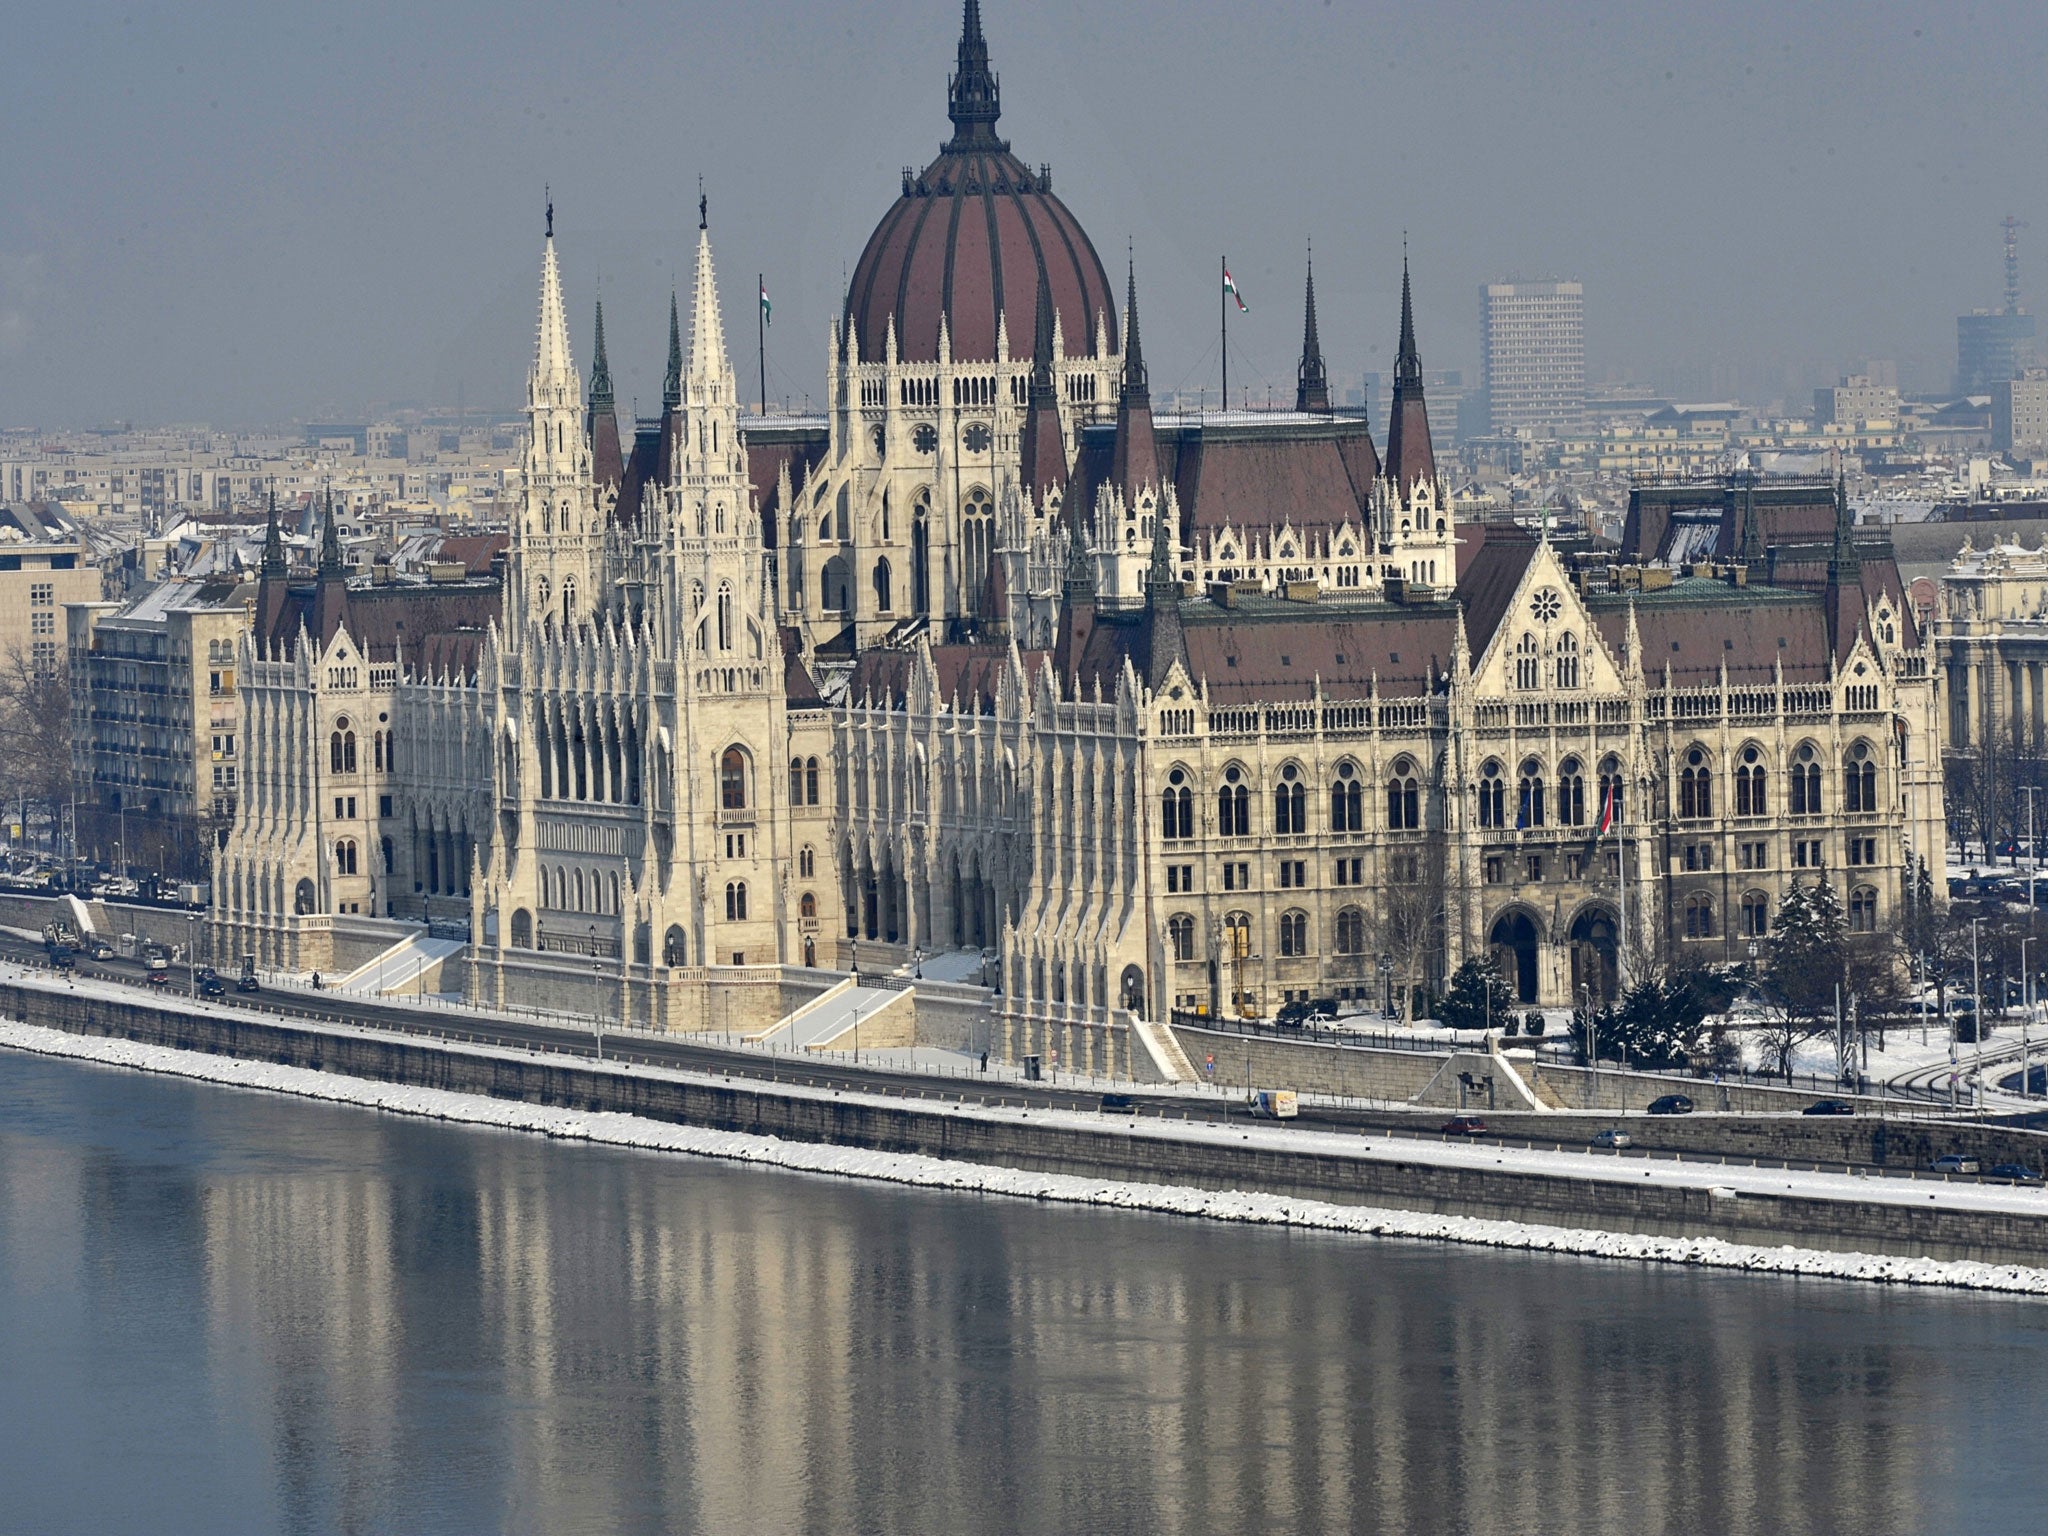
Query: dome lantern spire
974	93
1312	380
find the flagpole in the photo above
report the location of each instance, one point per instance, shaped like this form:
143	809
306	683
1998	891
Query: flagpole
1223	325
761	336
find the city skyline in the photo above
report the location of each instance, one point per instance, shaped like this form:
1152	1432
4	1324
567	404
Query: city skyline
270	218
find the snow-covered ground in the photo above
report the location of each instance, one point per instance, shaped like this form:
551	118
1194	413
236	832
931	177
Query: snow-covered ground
1243	1206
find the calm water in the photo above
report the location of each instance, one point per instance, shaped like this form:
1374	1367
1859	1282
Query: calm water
223	1312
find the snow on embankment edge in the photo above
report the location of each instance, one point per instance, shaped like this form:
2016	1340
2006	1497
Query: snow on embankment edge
621	1130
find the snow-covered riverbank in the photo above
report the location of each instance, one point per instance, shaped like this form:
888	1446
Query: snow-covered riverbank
927	1172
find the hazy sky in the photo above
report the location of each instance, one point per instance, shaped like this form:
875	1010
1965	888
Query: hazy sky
257	212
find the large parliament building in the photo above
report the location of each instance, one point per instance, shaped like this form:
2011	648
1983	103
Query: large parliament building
995	674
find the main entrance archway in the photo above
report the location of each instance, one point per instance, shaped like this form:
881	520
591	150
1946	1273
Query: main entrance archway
1594	952
1514	941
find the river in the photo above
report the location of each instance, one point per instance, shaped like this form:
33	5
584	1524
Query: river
222	1311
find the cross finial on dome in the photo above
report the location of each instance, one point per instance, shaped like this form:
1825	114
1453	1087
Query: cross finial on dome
548	192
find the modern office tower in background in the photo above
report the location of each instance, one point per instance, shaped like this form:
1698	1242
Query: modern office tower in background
1533	345
1995	345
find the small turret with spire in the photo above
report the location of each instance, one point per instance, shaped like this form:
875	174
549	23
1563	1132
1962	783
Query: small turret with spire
1134	465
601	421
1410	458
1312	380
1043	448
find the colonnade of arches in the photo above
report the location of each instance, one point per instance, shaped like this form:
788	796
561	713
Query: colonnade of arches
587	749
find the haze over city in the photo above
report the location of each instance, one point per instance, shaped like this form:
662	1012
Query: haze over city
242	214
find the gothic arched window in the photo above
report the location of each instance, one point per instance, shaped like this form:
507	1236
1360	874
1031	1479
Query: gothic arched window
1233	805
1859	779
1568	661
1528	664
1699	916
1493	795
1529	795
1696	786
1404	797
1571	794
341	747
1347	800
732	780
1180	936
1806	781
1290	802
1351	932
882	603
1176	807
736	901
1751	798
1293	933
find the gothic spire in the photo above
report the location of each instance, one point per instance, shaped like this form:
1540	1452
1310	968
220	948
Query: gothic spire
330	541
1410	457
1312	387
1844	564
1044	448
551	365
273	544
601	397
973	94
707	331
1408	364
1752	528
1136	381
672	382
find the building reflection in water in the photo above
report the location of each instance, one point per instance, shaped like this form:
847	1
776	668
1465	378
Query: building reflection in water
490	1332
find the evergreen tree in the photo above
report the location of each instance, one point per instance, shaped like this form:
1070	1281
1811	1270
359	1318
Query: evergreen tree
1479	997
1807	970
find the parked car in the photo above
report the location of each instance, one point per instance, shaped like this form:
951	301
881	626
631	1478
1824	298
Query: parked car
2019	1173
1829	1107
1465	1125
1613	1138
1671	1104
1955	1162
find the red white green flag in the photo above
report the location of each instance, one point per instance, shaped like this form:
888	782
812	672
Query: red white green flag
1607	813
767	315
1230	287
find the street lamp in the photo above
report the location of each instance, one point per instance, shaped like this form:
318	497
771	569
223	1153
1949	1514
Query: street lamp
596	1010
191	955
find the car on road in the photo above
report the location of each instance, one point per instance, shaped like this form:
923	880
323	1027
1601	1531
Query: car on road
1118	1102
1613	1138
247	982
61	958
1955	1162
1829	1107
160	979
1671	1104
1465	1125
99	949
212	986
2018	1173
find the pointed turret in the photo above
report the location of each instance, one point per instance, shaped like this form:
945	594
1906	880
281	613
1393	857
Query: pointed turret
273	544
1044	448
330	595
1166	643
1312	380
973	94
1135	462
602	420
271	591
1077	607
1752	526
1845	603
552	369
1410	458
708	362
671	397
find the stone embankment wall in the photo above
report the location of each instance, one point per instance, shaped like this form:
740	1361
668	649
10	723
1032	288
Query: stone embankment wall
1136	1149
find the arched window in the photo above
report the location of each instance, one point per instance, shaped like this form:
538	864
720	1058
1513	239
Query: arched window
1347	800
1234	805
568	601
725	615
341	747
1699	916
1351	931
522	929
807	907
1859	779
1567	661
1528	664
1290	802
732	779
542	592
736	901
796	781
1613	789
1237	935
1863	909
1493	795
1571	794
1176	807
345	857
810	781
1293	932
582	896
675	947
1806	781
1404	797
833	584
1696	786
806	863
1750	796
1180	936
1756	915
882	586
1529	795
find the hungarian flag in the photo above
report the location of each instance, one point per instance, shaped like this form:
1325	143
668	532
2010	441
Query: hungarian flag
1230	287
1606	813
767	314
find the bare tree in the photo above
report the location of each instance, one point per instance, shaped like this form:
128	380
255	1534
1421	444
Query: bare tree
35	734
1414	911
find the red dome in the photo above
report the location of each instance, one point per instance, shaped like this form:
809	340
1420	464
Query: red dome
968	240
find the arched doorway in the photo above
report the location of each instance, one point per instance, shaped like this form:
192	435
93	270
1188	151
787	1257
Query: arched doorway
1514	942
1134	989
1594	954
